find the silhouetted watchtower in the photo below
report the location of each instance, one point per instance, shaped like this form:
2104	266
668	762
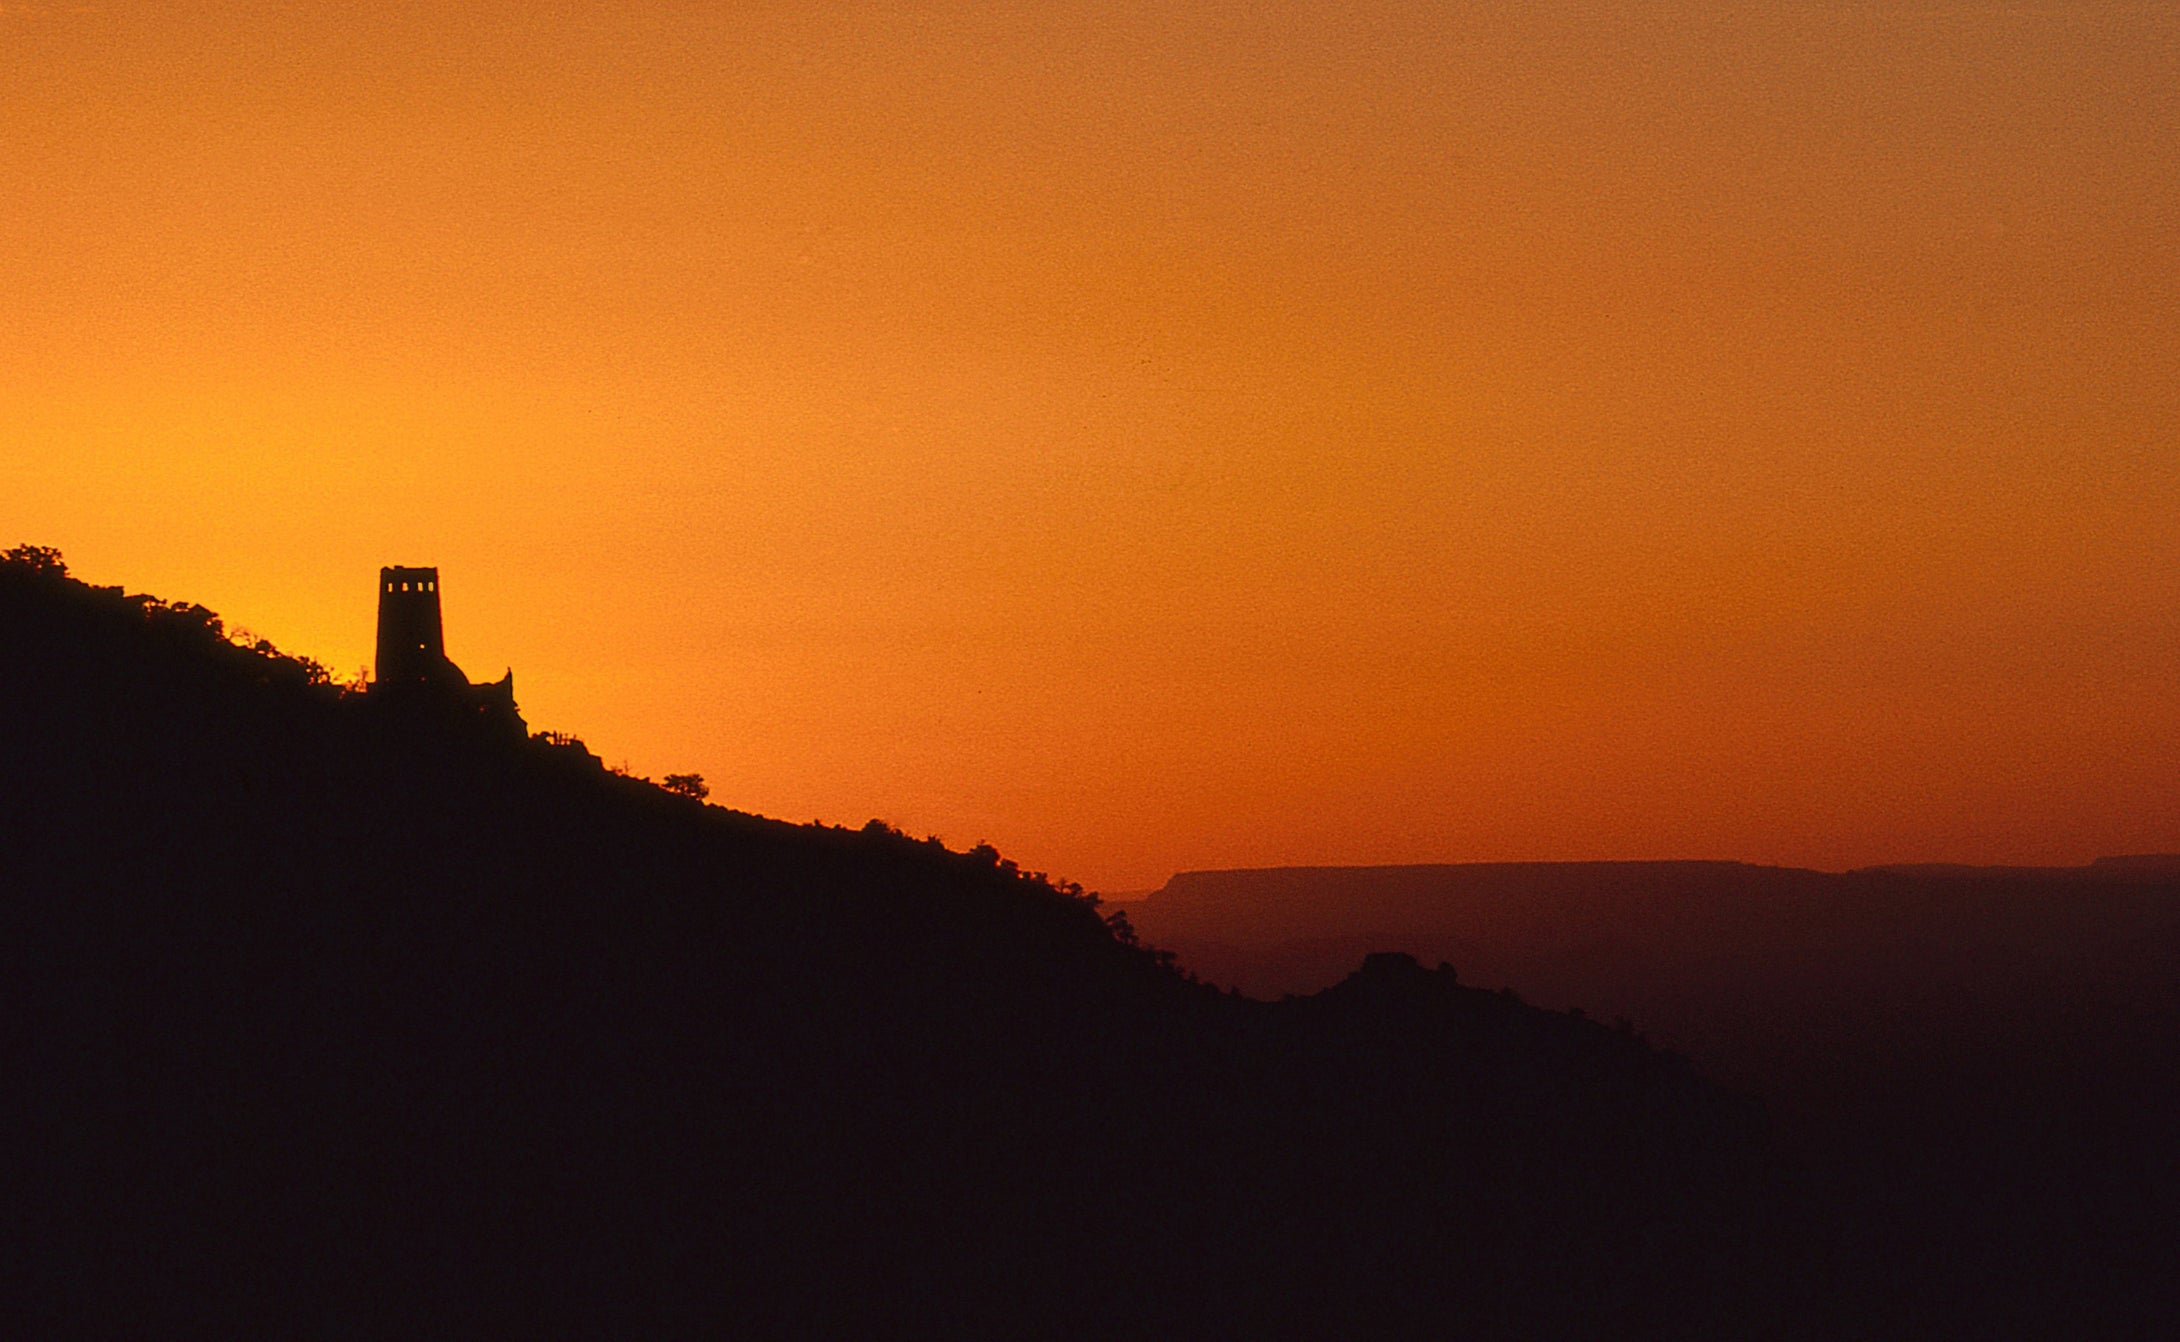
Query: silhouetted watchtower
414	675
412	645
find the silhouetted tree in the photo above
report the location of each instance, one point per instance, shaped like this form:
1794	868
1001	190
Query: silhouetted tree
38	559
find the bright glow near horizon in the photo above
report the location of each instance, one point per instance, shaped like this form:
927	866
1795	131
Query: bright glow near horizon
1162	436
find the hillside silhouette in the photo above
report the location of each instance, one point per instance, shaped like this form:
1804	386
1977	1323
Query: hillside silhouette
337	1015
1978	1067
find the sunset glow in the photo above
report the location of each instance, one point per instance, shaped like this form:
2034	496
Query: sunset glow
1151	437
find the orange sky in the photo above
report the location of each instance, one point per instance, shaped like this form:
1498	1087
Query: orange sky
1161	436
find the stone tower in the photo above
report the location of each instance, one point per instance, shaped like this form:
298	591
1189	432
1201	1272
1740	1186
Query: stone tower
413	671
412	648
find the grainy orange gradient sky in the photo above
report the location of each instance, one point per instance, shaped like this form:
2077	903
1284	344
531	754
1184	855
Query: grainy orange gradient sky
1151	436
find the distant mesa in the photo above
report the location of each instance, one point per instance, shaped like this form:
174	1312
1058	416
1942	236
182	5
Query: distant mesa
2166	863
413	667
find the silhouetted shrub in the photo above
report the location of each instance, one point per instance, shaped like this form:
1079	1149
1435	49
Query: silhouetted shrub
41	559
686	785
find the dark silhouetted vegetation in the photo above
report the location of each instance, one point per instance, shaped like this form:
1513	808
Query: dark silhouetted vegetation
330	1020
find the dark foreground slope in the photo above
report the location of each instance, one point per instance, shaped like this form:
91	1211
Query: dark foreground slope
1979	1066
327	1020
